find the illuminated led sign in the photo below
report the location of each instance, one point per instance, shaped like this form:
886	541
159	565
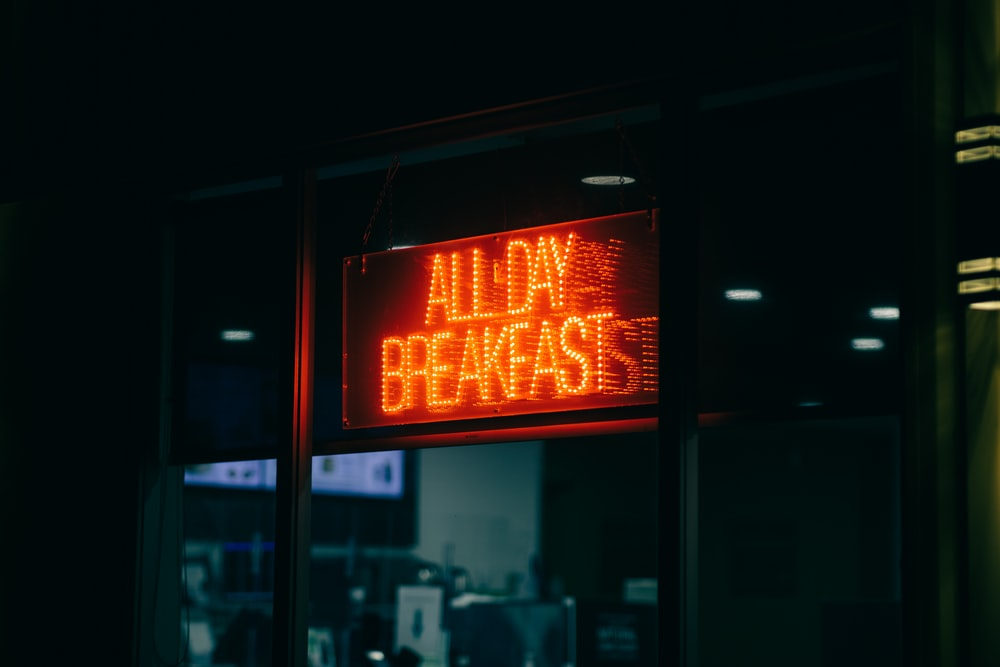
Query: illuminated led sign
540	320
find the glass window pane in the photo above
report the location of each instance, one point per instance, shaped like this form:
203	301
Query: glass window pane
228	576
800	378
800	233
540	552
232	301
232	305
799	543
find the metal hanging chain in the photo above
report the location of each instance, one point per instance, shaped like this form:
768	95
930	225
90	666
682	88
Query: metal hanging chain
643	178
621	166
389	229
390	176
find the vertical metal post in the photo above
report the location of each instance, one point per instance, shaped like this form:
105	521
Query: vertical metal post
294	483
982	464
678	425
931	470
978	237
159	544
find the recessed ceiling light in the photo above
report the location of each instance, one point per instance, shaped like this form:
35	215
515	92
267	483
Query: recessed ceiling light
743	294
607	180
867	343
985	305
884	313
236	335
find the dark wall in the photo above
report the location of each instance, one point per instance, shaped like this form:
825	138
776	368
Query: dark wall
78	411
191	92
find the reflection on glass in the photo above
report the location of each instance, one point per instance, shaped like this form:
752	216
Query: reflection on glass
799	543
743	295
228	564
977	154
237	335
519	553
228	299
978	265
867	344
978	285
884	313
977	134
361	474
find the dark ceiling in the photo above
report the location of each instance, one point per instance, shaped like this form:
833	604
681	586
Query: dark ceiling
153	95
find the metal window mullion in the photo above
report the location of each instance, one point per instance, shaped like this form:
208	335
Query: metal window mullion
678	428
294	483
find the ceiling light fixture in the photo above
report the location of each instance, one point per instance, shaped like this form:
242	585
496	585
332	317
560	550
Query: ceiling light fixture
743	294
608	180
867	344
236	335
884	313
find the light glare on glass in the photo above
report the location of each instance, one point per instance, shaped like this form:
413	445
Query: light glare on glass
867	344
608	180
743	295
978	285
977	134
884	313
978	265
977	154
985	305
236	335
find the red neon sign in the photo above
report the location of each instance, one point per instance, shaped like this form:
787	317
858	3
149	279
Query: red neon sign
546	319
